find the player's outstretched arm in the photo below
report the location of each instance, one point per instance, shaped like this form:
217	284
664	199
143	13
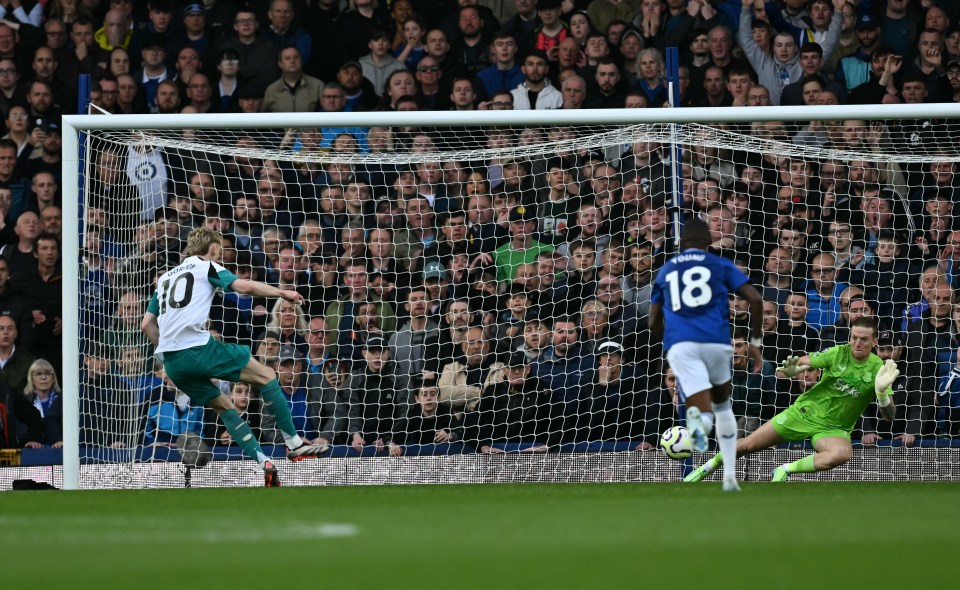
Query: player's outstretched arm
794	365
258	289
883	385
151	328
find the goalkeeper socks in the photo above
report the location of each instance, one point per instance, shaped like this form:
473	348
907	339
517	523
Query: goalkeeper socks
240	432
276	403
804	465
727	437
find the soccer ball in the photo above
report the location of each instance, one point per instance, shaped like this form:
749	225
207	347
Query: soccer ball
677	443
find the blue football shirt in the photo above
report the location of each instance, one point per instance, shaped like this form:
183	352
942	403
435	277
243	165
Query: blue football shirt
693	288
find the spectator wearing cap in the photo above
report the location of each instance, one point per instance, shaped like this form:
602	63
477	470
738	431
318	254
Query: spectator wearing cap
517	409
536	92
294	91
854	69
780	69
522	248
427	421
376	399
258	54
617	406
408	345
436	280
915	401
358	90
194	32
153	70
250	97
952	74
284	33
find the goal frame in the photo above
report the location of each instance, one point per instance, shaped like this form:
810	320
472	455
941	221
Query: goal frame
72	164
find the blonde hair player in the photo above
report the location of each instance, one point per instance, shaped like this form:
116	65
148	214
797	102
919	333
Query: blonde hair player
175	322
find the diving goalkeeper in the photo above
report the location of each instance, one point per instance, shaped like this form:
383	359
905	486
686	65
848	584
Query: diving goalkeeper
826	414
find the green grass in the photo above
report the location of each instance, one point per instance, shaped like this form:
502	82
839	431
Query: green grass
795	535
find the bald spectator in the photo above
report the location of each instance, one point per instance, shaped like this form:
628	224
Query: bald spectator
116	30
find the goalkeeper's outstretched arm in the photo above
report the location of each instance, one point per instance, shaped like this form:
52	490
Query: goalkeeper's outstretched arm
883	385
794	365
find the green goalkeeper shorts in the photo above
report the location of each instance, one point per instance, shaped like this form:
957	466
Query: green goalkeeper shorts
192	368
793	426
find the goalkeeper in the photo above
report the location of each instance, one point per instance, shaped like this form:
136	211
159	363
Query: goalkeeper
826	414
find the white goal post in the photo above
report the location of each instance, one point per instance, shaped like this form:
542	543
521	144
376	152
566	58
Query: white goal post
687	125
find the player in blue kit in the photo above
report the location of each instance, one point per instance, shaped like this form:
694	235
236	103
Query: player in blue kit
690	306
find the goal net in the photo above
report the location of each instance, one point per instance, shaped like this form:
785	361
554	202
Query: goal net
477	289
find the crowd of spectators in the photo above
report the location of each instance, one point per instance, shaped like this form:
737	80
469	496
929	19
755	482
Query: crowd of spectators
485	302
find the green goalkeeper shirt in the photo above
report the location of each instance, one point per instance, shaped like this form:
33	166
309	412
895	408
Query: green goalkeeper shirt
844	391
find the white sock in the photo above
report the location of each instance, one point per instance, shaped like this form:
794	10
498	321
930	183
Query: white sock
292	441
706	418
727	437
262	459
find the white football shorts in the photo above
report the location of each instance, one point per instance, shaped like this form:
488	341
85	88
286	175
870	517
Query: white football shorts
700	365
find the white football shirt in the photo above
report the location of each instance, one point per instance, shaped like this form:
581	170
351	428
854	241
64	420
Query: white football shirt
183	299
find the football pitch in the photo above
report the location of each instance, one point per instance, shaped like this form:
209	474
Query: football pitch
793	535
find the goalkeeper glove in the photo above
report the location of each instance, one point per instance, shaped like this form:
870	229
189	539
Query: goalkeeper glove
791	366
887	374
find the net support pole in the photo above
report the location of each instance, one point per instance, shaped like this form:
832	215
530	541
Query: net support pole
676	182
73	163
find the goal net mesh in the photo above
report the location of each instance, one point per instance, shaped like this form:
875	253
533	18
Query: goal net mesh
484	291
